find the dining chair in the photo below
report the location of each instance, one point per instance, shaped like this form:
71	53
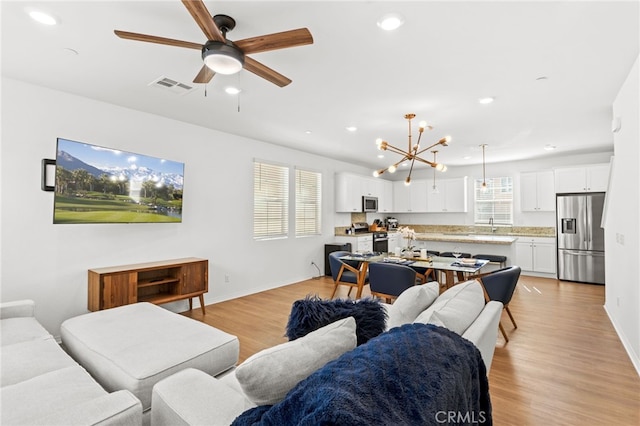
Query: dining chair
345	272
500	285
388	280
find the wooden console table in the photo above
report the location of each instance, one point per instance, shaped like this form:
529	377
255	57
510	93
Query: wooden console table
155	282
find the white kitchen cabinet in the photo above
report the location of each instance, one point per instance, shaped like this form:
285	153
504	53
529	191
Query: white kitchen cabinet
395	240
362	243
410	199
348	192
450	198
349	189
589	178
385	199
536	254
536	191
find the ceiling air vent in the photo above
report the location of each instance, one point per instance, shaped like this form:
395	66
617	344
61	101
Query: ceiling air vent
173	86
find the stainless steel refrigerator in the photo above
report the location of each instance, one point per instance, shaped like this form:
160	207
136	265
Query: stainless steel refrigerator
580	237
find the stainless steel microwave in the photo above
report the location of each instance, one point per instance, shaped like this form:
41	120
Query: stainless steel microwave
369	204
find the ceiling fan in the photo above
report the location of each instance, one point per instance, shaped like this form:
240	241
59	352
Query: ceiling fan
224	56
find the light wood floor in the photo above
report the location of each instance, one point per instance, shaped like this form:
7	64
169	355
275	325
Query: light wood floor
564	365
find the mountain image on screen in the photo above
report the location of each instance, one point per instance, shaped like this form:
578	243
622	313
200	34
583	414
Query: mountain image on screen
104	185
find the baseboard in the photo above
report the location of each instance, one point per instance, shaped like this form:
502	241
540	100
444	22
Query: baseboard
635	360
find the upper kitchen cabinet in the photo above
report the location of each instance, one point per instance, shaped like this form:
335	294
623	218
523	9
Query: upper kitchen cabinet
450	198
385	199
350	188
536	191
410	199
349	191
589	178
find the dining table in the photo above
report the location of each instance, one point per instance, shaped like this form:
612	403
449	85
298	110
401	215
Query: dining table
452	268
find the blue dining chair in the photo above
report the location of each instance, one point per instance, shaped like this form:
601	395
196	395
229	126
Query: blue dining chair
345	272
500	285
388	280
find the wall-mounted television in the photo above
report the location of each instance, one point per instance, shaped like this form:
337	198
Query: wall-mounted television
95	184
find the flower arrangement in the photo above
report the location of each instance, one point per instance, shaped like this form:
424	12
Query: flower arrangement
409	234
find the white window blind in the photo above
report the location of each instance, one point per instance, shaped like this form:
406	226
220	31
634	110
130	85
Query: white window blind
270	201
308	202
496	202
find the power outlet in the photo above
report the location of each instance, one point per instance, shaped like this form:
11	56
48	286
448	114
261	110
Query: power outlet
226	278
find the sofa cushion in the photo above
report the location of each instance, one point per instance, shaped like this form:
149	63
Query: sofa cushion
26	360
456	308
57	391
311	313
266	377
21	329
410	303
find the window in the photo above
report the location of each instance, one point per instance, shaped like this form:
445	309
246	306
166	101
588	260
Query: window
496	202
308	202
270	201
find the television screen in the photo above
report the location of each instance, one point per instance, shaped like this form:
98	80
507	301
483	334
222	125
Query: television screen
94	184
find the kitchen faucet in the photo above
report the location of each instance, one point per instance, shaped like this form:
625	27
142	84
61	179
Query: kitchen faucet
493	228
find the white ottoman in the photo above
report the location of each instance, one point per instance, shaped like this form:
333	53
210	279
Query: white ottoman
134	346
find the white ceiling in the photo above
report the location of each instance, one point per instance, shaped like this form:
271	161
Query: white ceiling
446	56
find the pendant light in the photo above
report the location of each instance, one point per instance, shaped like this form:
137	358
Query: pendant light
484	187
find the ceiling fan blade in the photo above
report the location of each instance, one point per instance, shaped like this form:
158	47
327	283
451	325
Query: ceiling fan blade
265	72
205	75
203	18
159	40
282	40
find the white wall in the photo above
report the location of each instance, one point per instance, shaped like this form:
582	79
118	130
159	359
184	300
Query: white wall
622	228
48	263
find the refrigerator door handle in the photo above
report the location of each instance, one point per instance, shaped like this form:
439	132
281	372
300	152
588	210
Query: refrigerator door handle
584	253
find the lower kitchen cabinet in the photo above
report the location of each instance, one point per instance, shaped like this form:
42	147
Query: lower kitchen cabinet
395	240
362	243
536	254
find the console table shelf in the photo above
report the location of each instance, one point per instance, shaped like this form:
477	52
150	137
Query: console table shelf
154	282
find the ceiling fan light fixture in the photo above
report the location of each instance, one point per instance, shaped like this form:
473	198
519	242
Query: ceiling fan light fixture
222	58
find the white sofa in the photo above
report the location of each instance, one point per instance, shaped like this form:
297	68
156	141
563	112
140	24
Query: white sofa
42	385
192	397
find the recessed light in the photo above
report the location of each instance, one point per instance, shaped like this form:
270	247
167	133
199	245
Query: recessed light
70	50
549	147
542	78
232	90
308	132
380	156
467	157
43	18
390	22
352	128
486	100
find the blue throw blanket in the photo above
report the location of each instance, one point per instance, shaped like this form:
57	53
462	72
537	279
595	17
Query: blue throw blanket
416	374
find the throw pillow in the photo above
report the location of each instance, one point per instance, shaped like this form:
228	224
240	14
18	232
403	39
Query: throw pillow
266	377
311	313
456	308
411	303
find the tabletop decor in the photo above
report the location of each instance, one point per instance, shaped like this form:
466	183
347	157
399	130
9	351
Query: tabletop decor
409	234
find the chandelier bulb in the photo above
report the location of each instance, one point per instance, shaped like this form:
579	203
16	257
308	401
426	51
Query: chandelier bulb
392	169
407	181
376	173
439	167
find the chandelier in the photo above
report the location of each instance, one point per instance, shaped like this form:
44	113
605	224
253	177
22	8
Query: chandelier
413	151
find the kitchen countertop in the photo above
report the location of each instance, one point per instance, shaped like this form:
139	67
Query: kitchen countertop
469	238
